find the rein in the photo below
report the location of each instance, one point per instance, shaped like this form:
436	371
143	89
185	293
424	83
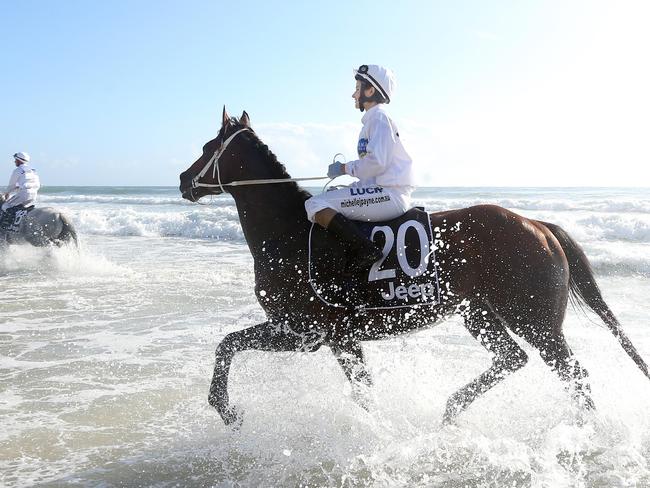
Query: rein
214	160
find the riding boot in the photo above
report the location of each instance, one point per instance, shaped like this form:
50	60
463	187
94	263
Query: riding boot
4	217
364	251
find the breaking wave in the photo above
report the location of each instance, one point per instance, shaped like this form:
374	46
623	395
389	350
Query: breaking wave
614	229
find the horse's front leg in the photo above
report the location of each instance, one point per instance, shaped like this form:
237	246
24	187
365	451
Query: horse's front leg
349	355
261	337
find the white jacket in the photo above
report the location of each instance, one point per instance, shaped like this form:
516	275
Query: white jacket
383	160
24	180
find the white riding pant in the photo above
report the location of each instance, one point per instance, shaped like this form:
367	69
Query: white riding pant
20	198
368	203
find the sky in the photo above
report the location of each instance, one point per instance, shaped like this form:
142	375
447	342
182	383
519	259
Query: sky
498	93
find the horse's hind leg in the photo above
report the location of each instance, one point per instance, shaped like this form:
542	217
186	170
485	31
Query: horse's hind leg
487	328
349	355
261	337
543	330
557	354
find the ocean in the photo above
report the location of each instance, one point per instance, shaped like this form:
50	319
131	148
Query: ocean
106	356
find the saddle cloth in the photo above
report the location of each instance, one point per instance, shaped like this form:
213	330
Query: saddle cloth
406	276
12	217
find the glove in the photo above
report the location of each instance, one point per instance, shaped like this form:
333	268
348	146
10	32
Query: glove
335	169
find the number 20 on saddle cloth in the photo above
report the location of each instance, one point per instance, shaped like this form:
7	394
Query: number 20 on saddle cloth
405	276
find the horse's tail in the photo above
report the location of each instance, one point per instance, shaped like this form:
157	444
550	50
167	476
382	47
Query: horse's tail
584	290
68	232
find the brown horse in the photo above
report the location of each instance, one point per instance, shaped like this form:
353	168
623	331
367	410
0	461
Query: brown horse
502	272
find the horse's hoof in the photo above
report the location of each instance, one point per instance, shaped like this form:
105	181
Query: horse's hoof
587	403
454	406
232	416
363	398
449	417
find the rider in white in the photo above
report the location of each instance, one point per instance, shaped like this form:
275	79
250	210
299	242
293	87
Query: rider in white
23	184
383	169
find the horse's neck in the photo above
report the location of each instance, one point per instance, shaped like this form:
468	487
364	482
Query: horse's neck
268	214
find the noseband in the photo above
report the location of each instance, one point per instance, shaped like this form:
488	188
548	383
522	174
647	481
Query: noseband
214	160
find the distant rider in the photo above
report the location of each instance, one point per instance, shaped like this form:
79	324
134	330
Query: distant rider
384	171
22	189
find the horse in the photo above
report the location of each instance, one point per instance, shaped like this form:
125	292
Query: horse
41	227
503	273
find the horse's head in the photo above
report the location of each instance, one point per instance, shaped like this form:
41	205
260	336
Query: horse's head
216	165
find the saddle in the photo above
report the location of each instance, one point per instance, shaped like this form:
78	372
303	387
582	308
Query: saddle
12	217
405	276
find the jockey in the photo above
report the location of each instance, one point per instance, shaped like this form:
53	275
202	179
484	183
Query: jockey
383	169
23	185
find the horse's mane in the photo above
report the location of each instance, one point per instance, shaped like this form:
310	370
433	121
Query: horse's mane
278	170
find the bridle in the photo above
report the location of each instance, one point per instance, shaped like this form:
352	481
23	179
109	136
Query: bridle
214	162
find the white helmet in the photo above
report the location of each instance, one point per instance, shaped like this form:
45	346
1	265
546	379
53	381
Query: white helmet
23	157
381	78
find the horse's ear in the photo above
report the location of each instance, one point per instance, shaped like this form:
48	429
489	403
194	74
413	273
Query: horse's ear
225	118
245	120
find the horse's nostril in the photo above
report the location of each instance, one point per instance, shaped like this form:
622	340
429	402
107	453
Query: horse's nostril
188	194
